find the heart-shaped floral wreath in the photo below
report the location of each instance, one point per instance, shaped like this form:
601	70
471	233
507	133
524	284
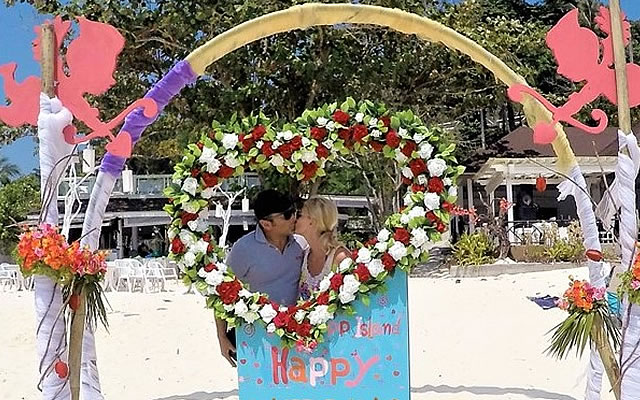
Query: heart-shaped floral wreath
302	150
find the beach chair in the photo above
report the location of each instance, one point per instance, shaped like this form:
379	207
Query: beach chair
154	275
7	277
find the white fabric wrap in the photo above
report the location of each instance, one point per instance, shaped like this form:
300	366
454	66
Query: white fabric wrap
630	389
95	210
577	187
626	172
51	339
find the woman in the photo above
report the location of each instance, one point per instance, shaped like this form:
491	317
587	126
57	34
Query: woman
317	222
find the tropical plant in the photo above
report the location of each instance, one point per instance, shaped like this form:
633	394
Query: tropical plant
8	170
475	249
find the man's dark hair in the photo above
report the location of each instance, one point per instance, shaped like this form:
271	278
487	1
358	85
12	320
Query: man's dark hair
269	202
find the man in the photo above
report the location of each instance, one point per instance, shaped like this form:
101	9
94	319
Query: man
268	259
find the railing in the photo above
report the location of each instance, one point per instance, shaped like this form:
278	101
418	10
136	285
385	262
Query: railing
146	186
536	231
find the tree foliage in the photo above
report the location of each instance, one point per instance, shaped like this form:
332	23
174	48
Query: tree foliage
17	199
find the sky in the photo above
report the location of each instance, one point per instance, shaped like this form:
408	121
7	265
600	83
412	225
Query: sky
16	34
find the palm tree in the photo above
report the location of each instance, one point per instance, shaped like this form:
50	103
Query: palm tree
8	170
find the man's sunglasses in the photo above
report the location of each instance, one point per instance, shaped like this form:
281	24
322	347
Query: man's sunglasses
287	214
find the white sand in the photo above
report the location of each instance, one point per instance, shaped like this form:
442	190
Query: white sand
477	339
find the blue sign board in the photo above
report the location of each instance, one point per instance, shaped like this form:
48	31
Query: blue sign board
364	357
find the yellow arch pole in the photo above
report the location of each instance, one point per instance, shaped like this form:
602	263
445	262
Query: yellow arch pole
315	14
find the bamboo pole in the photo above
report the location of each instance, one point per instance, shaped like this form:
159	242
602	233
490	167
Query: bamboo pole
624	113
606	354
75	343
48	59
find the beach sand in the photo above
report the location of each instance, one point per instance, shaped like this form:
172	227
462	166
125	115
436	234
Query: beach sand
473	339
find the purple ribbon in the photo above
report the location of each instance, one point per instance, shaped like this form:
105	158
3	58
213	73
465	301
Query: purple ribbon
135	123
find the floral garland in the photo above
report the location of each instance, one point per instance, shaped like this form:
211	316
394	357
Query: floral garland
44	251
630	281
302	150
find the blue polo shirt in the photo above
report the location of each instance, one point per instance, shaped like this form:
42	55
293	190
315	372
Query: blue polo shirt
265	268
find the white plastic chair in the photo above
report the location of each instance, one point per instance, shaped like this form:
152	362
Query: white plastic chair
137	274
123	275
154	275
7	277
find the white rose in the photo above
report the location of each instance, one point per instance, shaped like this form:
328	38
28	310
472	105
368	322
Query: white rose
436	166
376	133
240	307
322	121
404	133
228	307
188	238
229	141
453	191
407	200
418	137
359	117
328	144
423	180
286	135
259	144
350	284
208	193
346	297
345	264
306	141
397	251
425	150
189	259
190	186
245	293
417	212
268	313
325	284
209	157
308	156
271	328
231	161
173	232
373	122
432	201
214	278
299	316
320	315
384	235
405	218
364	255
251	317
200	247
447	181
418	237
277	160
276	144
375	267
407	173
381	246
177	181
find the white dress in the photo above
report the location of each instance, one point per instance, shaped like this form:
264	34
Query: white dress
310	283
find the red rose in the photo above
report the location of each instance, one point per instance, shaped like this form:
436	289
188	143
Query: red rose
210	180
322	151
206	237
386	120
377	146
336	282
392	138
409	148
406	181
388	262
341	117
304	329
436	185
440	227
210	248
402	235
200	145
195	172
318	133
323	298
354	254
363	273
225	171
292	324
415	188
210	267
417	166
359	132
186	217
228	291
247	143
309	170
448	207
177	247
432	217
371	242
263	300
296	142
281	319
258	132
285	151
266	149
345	134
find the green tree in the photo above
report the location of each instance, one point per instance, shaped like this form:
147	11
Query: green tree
17	199
8	170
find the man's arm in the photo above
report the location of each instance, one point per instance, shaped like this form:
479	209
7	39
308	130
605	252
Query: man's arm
226	347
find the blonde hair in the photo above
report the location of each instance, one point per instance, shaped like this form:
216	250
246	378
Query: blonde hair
324	213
